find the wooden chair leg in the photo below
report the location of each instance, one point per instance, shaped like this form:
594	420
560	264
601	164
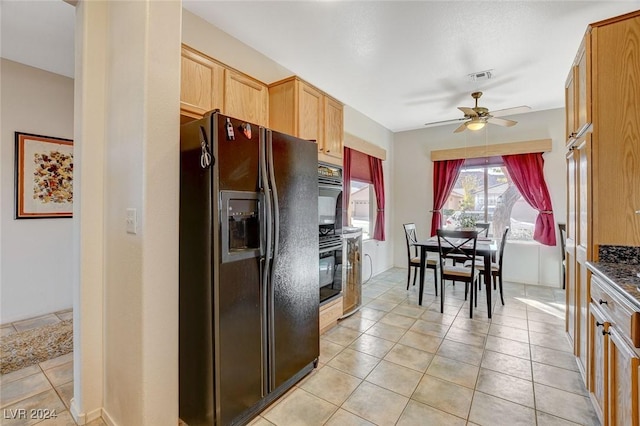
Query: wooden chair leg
475	287
500	284
435	280
472	285
441	295
415	274
408	276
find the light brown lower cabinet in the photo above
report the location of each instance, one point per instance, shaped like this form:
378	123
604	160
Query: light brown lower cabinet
330	313
613	360
623	365
598	368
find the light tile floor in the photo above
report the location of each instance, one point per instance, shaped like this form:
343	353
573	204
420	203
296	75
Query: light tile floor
397	363
46	388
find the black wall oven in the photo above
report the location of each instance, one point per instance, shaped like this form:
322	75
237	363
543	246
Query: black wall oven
330	230
330	268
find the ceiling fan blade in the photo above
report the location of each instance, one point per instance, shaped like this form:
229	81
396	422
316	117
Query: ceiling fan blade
434	123
502	122
510	111
460	128
468	111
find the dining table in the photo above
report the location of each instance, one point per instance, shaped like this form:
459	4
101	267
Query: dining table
485	247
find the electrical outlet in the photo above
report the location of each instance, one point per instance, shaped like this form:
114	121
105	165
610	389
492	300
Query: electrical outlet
132	221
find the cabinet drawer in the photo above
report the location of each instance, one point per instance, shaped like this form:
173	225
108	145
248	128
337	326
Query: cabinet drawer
330	313
621	314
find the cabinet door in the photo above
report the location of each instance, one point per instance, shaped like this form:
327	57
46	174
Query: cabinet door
201	83
333	128
245	98
583	193
598	361
583	86
570	248
310	113
570	104
582	275
623	381
616	112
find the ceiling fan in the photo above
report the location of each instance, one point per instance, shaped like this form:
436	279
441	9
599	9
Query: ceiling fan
475	118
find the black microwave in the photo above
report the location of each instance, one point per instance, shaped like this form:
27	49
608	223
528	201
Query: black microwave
329	196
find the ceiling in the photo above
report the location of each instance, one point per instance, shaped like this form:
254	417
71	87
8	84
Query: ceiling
401	63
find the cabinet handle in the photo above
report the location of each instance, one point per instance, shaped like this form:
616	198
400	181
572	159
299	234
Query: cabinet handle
605	332
637	211
599	324
603	302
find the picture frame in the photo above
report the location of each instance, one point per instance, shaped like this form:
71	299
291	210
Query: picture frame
43	176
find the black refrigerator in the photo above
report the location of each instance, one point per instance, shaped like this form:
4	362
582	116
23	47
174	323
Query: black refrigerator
248	268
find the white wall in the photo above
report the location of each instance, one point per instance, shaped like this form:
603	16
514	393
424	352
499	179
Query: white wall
413	185
36	254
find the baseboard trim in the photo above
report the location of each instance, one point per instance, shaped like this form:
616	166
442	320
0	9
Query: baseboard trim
107	418
84	418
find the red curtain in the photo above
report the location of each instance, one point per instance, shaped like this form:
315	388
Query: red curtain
378	187
346	184
445	174
526	171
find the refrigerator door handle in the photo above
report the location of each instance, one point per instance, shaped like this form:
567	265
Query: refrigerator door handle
268	209
274	195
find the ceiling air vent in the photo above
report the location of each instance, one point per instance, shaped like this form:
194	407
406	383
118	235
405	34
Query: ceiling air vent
480	75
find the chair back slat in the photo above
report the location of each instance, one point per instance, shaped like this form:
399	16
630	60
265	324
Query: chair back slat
411	238
483	228
503	243
458	243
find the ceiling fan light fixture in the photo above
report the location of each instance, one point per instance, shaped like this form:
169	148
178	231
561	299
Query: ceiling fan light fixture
475	124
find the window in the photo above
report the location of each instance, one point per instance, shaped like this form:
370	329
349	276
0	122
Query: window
362	205
487	194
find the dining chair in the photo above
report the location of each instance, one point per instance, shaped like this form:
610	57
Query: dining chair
461	244
483	232
496	267
563	245
483	229
414	258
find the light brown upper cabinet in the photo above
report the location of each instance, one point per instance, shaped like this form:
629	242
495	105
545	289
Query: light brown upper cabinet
333	142
603	199
245	98
201	84
207	84
300	109
606	104
578	93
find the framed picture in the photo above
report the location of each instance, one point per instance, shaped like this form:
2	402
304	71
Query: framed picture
44	176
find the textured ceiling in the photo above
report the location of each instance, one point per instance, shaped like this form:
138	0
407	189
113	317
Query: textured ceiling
400	63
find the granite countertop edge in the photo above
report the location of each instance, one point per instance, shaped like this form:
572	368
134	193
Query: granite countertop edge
621	277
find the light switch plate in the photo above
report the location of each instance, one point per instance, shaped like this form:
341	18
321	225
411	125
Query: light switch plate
132	221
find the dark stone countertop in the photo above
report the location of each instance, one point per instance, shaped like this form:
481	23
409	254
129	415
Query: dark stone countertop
622	277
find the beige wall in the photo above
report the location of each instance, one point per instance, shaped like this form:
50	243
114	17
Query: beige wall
377	255
413	185
134	103
210	40
36	254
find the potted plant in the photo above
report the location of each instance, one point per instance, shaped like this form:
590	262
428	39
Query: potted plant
467	222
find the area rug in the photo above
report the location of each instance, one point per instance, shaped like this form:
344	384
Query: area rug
25	348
